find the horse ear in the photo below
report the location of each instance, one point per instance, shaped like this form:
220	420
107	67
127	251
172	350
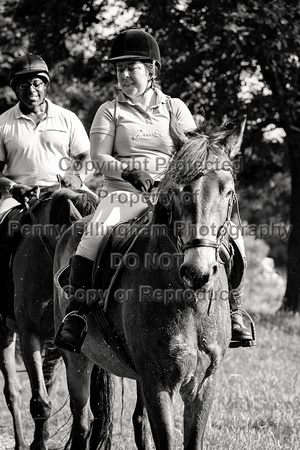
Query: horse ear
235	138
176	132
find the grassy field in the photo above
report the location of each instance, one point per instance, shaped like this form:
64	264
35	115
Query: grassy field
257	401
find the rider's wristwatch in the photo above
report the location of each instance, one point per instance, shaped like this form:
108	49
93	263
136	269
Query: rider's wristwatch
9	188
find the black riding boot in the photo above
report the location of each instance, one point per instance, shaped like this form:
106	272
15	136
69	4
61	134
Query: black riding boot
239	331
236	264
72	330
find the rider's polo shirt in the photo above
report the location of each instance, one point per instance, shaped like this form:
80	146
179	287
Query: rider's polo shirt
141	138
36	154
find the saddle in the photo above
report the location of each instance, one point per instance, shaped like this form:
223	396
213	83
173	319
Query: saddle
116	242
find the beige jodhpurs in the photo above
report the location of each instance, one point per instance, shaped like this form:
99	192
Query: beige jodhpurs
114	208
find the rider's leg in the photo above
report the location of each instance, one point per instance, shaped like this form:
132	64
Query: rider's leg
237	281
116	207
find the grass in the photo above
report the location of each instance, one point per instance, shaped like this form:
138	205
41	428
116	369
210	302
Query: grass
257	400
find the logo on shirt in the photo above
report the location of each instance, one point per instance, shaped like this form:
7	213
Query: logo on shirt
146	134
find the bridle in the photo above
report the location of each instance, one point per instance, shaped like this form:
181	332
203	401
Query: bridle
200	242
196	243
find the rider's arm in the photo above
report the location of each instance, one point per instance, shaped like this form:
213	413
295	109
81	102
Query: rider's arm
102	138
5	183
101	153
79	151
80	171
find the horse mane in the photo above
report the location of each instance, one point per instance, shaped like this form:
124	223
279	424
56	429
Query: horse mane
84	202
192	150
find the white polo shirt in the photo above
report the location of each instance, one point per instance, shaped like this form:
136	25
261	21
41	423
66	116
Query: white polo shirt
36	154
141	138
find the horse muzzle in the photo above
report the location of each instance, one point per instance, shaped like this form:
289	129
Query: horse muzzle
199	268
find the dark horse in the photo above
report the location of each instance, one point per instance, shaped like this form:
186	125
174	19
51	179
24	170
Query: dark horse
172	314
29	303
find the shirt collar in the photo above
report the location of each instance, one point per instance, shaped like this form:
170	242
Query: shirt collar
160	98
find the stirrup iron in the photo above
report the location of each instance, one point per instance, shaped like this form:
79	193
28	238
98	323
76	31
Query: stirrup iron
76	345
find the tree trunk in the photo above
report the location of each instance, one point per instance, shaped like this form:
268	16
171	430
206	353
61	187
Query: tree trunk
291	301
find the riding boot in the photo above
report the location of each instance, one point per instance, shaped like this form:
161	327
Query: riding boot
236	268
72	330
239	331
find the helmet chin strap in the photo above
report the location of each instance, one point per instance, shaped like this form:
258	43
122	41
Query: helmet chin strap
150	86
150	80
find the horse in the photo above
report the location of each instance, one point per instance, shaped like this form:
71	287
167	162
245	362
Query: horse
172	314
28	301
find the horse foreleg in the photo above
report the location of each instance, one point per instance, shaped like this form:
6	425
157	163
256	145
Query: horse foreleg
101	402
159	406
50	364
12	389
79	370
196	411
40	403
140	421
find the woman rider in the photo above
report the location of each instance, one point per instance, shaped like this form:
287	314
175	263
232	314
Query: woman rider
130	141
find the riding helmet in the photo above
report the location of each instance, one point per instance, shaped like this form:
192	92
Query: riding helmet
27	65
135	44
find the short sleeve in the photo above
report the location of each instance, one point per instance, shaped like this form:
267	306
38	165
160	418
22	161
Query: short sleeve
104	120
79	142
183	114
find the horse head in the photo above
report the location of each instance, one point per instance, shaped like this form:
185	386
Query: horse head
196	197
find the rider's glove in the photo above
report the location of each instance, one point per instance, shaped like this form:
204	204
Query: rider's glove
19	191
138	178
72	181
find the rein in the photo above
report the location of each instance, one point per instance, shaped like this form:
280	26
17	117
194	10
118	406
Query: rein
44	240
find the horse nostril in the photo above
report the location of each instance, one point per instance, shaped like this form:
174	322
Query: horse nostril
215	269
182	272
205	279
191	274
188	273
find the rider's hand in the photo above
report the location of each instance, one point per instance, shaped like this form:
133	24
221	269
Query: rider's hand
72	181
19	191
138	178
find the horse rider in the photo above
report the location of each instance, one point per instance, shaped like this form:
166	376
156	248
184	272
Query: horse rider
131	142
41	143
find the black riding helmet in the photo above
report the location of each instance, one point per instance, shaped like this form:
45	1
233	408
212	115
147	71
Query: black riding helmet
28	65
135	44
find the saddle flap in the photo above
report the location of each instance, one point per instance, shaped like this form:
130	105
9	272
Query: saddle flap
117	242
